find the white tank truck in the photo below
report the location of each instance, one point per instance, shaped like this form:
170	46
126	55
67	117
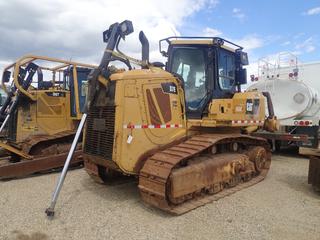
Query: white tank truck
294	88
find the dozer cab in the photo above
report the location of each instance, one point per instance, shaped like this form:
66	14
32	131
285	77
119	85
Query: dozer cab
44	104
179	130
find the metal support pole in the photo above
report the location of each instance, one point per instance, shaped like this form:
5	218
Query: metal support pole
50	210
4	122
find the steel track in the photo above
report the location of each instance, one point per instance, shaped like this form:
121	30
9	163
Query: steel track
155	173
39	163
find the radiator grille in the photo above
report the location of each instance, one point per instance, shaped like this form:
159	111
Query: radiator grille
100	131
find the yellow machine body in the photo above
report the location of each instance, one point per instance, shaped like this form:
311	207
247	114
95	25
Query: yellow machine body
179	130
146	118
234	112
47	115
141	113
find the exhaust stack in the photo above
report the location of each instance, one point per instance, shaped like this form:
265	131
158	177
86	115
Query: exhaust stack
145	48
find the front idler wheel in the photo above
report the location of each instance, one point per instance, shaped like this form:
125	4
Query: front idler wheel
258	156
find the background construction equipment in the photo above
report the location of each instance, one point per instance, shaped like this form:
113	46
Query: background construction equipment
41	113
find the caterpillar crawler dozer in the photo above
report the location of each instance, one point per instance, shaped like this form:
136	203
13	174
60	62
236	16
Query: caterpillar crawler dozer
41	114
179	130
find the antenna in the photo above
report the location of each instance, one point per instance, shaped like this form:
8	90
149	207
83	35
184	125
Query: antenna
174	32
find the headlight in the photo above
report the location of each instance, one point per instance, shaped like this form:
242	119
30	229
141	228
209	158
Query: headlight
126	27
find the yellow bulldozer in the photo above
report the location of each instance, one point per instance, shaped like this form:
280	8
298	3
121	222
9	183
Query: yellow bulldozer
179	130
44	104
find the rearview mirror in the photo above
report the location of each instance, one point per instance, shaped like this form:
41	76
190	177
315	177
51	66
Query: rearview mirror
242	58
6	76
241	76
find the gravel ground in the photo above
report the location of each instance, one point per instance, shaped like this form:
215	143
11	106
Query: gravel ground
281	207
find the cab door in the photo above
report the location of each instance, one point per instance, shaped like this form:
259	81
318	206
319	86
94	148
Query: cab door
195	67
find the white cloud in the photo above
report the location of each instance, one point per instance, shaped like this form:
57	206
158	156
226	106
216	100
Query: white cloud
236	10
310	48
213	3
73	29
250	42
306	46
238	13
286	43
211	32
297	53
313	11
299	35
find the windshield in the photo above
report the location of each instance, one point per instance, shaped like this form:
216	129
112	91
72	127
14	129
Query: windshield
190	64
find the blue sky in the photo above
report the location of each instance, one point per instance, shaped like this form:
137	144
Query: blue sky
268	27
72	29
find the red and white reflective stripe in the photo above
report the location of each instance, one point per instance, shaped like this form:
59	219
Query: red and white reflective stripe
302	123
144	126
247	122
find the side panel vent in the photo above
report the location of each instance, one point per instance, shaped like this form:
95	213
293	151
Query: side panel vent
100	132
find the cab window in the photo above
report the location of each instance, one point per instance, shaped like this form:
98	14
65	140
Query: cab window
190	64
226	69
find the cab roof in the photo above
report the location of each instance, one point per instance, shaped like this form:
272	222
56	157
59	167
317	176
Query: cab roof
223	43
